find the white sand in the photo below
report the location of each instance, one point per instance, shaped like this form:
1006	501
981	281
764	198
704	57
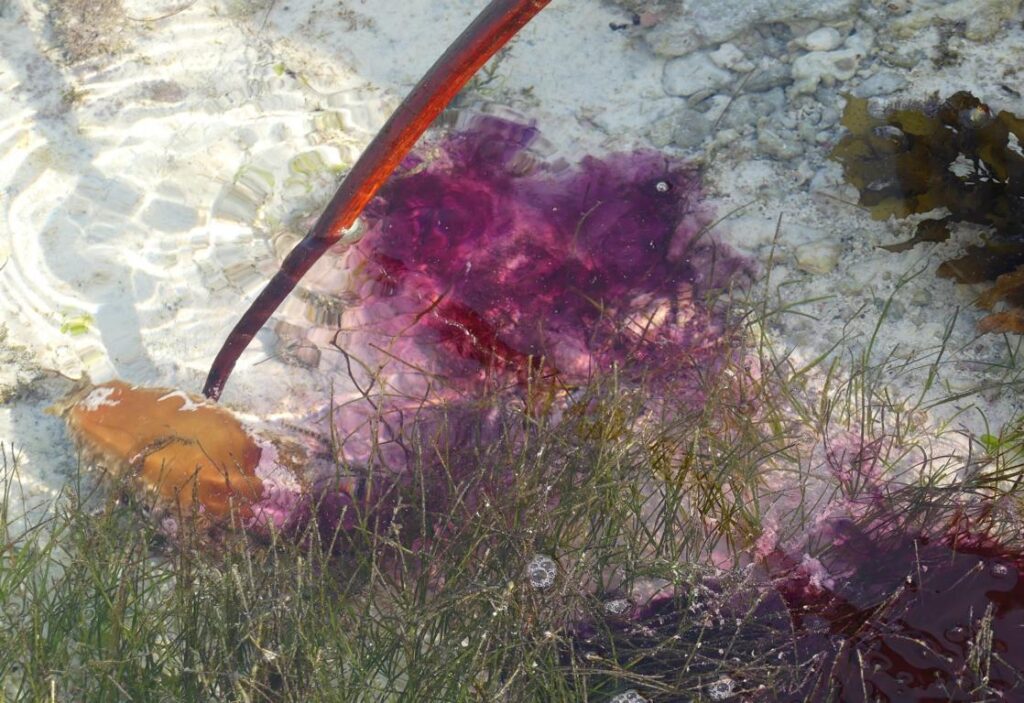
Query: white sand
145	189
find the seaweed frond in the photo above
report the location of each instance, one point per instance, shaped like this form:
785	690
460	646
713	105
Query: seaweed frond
959	156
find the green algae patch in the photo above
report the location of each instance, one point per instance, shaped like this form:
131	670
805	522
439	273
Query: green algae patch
76	325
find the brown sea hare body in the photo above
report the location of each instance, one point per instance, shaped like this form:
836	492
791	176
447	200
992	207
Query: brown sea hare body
193	455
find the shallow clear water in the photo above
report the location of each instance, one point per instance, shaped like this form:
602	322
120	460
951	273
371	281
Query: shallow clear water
159	161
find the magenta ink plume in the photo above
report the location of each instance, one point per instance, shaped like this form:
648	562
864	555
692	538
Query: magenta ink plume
483	262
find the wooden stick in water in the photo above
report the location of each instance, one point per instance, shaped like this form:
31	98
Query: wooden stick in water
491	30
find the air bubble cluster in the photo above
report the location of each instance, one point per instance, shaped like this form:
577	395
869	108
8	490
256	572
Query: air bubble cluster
541	571
722	689
617	606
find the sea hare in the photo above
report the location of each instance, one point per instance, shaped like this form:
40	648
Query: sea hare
196	460
959	155
185	450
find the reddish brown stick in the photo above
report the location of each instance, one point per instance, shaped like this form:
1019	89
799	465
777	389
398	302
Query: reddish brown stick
491	30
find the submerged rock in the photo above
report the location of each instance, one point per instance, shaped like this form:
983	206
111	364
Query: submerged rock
694	74
696	25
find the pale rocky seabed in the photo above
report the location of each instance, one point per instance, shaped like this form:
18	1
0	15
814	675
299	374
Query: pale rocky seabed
157	159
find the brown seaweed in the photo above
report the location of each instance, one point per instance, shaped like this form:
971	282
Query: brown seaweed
955	155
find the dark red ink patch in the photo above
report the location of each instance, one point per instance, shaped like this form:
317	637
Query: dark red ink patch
913	619
891	618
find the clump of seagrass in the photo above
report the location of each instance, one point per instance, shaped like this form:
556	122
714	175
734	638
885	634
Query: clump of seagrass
88	29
